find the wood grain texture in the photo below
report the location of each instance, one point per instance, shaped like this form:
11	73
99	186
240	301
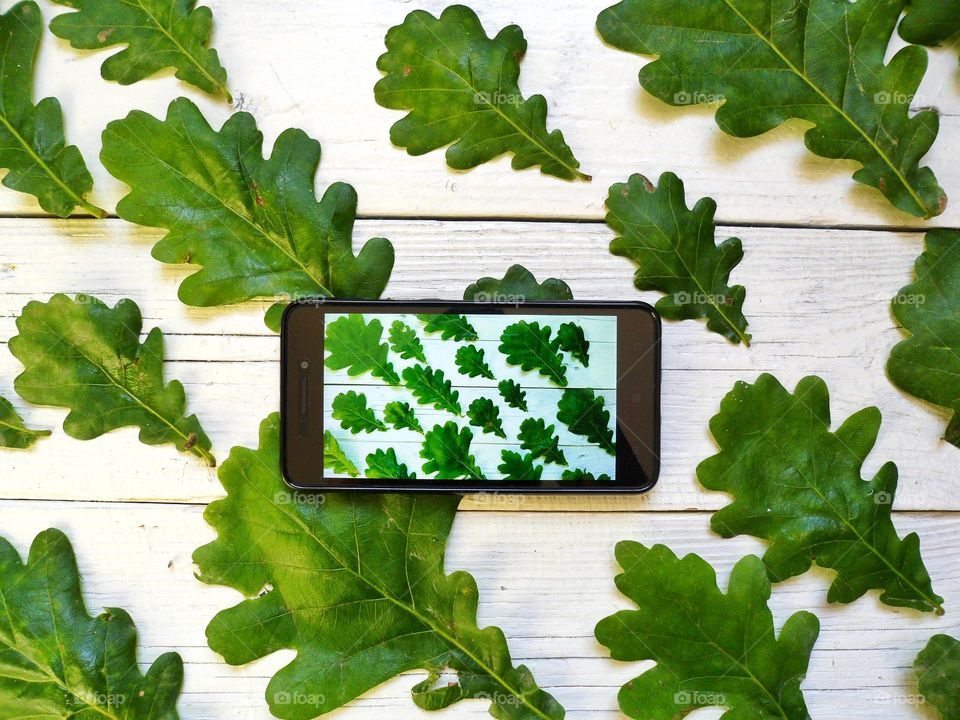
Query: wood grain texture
545	579
817	300
311	66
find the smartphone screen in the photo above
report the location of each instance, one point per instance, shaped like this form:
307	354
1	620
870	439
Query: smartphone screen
471	396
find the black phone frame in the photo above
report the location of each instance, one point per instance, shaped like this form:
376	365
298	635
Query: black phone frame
638	395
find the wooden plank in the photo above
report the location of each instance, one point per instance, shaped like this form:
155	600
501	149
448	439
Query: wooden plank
545	579
818	302
300	65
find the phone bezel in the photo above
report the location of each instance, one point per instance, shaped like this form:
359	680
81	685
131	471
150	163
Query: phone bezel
638	395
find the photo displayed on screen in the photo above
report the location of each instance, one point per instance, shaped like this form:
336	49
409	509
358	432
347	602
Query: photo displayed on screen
473	397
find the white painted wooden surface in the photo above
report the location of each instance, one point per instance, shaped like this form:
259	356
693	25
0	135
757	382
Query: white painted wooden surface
313	65
545	578
817	300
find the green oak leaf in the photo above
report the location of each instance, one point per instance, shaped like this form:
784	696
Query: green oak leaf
401	416
675	253
518	285
253	225
158	34
579	474
384	464
519	468
335	459
486	416
85	356
582	411
430	387
758	63
513	394
541	440
938	675
350	408
572	340
450	327
927	364
710	648
354	344
356	587
13	432
446	448
931	22
470	362
528	345
798	485
404	341
33	149
461	87
58	661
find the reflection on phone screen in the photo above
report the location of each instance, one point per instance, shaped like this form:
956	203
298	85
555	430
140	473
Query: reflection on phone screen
471	396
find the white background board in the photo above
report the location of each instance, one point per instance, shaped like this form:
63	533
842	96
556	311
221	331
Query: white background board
823	258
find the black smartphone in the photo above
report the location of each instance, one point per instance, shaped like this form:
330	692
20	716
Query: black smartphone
540	397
